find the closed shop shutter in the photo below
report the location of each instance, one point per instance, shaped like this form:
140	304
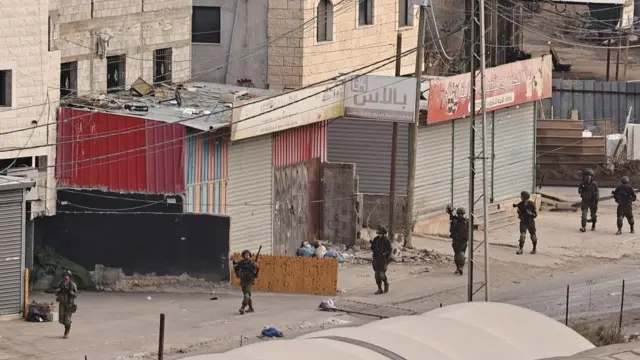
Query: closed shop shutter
514	151
461	165
368	145
12	250
250	194
433	168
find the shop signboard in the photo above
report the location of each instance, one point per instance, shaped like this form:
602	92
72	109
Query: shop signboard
289	110
507	85
381	98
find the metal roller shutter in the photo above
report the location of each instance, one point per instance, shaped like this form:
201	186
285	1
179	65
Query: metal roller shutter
514	151
12	251
433	168
250	194
368	145
461	165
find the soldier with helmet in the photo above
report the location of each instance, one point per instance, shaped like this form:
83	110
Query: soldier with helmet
66	292
624	195
459	233
246	270
527	214
381	248
590	195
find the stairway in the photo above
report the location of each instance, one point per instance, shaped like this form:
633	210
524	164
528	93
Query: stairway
498	217
560	142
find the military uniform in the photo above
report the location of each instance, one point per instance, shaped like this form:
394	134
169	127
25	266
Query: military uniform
247	271
381	248
590	195
66	293
624	196
527	214
459	233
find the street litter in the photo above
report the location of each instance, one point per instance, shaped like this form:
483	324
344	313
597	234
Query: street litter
327	305
272	333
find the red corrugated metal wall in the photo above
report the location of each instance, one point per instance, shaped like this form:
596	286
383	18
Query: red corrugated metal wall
119	153
300	144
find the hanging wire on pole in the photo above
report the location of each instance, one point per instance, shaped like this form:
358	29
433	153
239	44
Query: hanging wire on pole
485	190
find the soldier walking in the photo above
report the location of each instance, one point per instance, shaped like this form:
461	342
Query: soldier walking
381	248
590	195
624	195
459	233
66	292
247	271
527	214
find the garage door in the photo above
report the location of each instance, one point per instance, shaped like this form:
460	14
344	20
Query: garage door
11	252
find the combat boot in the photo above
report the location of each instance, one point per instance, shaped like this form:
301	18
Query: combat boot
386	287
632	231
619	231
460	271
519	252
67	329
244	305
250	309
583	229
593	226
379	283
534	250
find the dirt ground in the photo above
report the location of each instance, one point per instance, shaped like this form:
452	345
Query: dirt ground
125	325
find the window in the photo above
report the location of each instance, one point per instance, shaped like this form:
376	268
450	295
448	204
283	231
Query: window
5	87
162	66
404	13
116	73
68	79
325	21
365	12
205	25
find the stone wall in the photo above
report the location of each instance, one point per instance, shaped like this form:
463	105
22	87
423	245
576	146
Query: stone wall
342	204
375	211
285	48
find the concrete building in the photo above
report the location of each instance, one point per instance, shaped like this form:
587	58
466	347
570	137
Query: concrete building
280	45
29	74
108	44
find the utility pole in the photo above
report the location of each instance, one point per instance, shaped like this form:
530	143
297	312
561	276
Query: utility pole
618	56
413	131
608	58
626	57
394	152
478	54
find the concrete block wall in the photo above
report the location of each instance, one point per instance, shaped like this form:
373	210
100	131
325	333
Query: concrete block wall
285	55
375	211
136	28
34	95
342	204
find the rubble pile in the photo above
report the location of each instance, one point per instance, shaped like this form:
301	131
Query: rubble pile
361	255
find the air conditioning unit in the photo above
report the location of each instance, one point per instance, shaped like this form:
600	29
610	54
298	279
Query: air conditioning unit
27	173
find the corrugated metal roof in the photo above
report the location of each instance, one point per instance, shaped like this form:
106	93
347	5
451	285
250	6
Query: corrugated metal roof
199	96
478	331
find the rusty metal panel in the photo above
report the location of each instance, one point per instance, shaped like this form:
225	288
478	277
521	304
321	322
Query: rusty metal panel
594	101
300	144
207	173
119	153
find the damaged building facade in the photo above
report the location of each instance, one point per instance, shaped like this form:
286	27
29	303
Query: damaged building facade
106	45
279	44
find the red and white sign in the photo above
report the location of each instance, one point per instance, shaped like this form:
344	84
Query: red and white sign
507	85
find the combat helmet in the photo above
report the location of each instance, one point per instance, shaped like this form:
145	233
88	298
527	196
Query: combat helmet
525	195
382	230
246	252
461	211
588	172
625	180
66	272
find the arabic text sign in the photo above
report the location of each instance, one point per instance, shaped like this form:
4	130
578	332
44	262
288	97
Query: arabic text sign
383	98
293	109
506	85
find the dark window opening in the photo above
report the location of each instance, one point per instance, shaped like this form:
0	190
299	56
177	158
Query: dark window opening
205	25
404	14
116	73
365	12
68	79
5	87
325	21
162	65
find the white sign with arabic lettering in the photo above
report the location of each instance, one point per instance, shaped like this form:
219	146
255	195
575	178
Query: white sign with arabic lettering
382	98
289	110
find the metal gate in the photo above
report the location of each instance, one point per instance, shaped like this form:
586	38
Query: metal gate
433	168
368	145
461	160
250	194
11	251
514	145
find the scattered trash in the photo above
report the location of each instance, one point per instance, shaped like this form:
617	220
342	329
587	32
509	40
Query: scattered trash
327	305
334	255
634	337
214	298
272	333
148	297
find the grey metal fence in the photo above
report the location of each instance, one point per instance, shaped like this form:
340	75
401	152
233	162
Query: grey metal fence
596	102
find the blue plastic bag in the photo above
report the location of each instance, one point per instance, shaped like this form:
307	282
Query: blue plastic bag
272	332
334	255
306	251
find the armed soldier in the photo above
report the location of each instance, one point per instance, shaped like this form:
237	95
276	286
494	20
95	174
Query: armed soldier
527	214
381	248
590	195
624	195
247	271
66	292
459	233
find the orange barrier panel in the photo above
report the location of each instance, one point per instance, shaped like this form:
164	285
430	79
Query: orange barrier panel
26	291
292	274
